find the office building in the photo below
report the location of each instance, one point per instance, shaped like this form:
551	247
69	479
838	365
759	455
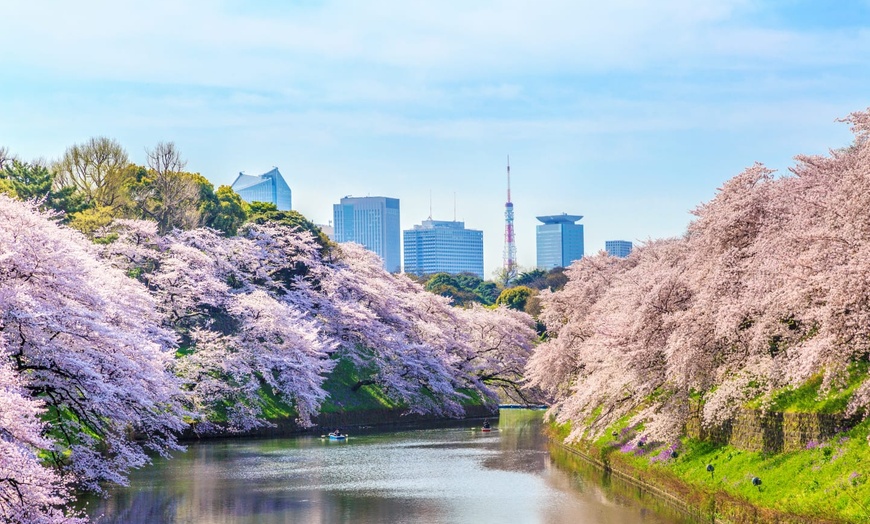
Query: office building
559	240
618	248
440	246
268	187
328	230
372	222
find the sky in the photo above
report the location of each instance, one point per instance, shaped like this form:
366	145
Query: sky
630	113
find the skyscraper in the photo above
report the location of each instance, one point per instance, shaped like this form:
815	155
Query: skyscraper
372	222
268	187
618	248
559	240
440	246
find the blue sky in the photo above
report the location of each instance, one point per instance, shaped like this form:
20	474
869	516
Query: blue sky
630	113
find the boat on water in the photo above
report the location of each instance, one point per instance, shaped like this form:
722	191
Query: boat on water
337	437
486	427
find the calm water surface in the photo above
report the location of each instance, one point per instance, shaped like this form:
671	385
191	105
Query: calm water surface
445	475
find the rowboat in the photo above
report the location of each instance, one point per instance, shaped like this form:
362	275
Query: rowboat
337	437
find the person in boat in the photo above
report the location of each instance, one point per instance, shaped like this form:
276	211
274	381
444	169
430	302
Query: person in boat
336	433
485	424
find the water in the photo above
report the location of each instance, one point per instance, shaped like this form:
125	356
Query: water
443	475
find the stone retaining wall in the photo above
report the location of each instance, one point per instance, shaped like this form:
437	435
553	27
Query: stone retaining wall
771	432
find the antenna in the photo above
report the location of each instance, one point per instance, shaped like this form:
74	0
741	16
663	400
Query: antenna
510	247
509	177
454	206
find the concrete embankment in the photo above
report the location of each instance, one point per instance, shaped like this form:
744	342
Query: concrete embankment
667	493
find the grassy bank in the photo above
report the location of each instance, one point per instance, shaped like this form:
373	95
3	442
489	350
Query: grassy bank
343	398
826	481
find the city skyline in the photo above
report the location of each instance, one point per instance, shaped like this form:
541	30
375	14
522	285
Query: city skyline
632	113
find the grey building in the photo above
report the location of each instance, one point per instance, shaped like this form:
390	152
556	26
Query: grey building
559	240
440	246
268	187
618	248
372	222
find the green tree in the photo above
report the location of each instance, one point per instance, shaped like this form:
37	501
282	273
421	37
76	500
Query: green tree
90	220
27	181
505	277
534	278
556	279
97	169
166	193
259	208
488	292
5	157
208	201
468	281
223	210
462	288
262	212
441	280
515	297
229	214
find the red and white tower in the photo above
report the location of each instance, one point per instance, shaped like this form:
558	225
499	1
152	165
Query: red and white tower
510	247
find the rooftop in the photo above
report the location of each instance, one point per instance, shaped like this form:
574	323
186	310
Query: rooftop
564	218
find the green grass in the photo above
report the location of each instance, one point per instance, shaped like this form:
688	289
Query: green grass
273	407
808	398
829	480
342	398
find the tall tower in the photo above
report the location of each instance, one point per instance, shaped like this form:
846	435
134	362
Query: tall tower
510	248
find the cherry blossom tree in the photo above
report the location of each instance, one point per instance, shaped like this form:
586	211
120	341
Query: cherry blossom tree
86	352
221	295
29	491
768	288
389	325
498	343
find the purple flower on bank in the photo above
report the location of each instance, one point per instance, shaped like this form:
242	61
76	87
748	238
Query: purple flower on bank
666	453
812	444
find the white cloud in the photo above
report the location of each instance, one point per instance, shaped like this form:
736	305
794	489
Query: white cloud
196	43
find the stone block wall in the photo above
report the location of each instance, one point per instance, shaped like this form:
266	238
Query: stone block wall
771	432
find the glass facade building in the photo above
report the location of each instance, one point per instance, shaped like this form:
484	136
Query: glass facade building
372	222
268	187
559	241
618	248
440	246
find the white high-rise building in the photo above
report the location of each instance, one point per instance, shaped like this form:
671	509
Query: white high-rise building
559	240
440	246
372	222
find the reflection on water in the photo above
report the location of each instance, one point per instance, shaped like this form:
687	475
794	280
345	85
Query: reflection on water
446	475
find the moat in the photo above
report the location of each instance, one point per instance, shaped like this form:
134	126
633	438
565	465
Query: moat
455	474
